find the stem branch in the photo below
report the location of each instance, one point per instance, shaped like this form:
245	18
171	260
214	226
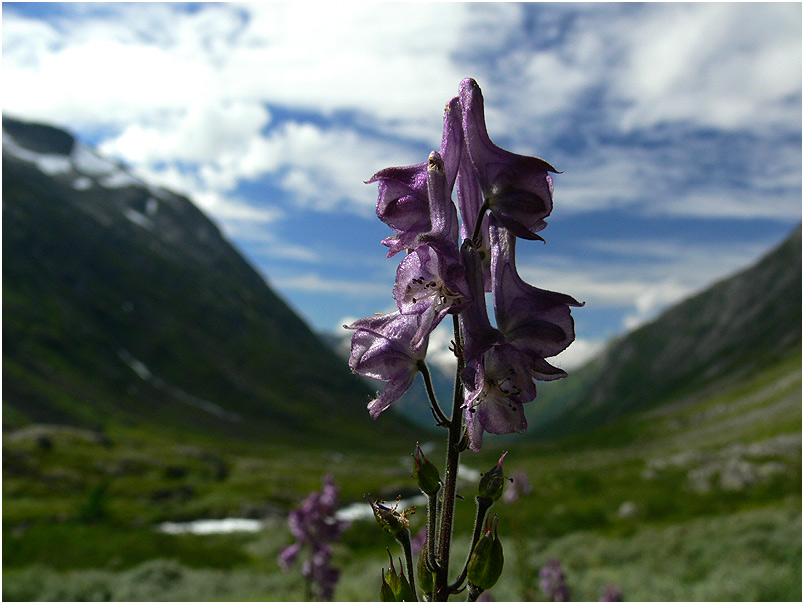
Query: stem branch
440	418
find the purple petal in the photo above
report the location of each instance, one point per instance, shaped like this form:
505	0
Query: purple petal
517	187
388	348
536	320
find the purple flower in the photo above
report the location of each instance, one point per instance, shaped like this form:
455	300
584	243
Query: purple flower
431	280
315	527
500	196
497	387
553	582
388	348
470	203
418	541
403	202
612	594
538	322
497	376
520	485
517	188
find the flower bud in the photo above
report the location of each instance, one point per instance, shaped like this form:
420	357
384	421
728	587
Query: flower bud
493	481
391	520
395	587
486	563
425	473
386	593
426	577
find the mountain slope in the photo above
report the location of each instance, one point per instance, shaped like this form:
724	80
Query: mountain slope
122	302
716	339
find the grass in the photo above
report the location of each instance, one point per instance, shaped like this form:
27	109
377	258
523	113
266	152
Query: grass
623	505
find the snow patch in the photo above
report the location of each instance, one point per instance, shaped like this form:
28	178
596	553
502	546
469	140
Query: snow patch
137	366
82	183
119	179
211	527
138	219
90	163
151	206
49	163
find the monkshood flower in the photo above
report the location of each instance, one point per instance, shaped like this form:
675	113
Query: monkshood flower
517	188
403	202
431	280
536	321
470	205
553	582
388	348
497	376
315	528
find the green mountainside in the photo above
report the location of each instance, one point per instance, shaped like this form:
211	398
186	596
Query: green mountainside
711	342
123	304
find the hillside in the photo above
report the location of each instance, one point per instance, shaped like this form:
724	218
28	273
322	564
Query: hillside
711	342
124	304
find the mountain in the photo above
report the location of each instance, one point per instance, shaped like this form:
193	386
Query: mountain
711	342
124	303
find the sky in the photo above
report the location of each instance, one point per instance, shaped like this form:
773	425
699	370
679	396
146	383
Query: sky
676	127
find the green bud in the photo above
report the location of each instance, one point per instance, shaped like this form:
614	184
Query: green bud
492	482
426	578
386	593
395	587
425	473
486	563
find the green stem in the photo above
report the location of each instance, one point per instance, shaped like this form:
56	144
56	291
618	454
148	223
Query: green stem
405	542
483	505
432	527
474	593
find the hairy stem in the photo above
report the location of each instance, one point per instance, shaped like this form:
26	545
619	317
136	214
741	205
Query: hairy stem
442	591
483	505
432	527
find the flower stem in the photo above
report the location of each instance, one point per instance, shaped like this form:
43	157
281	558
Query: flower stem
483	505
479	223
432	527
441	592
405	542
438	414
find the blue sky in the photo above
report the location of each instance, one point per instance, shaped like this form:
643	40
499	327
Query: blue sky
677	128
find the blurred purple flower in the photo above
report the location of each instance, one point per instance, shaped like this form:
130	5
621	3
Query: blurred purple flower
418	541
520	485
612	594
553	582
315	527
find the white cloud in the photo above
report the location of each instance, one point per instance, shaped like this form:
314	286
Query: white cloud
578	353
315	283
192	86
724	65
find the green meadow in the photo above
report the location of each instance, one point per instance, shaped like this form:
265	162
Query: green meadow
696	500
